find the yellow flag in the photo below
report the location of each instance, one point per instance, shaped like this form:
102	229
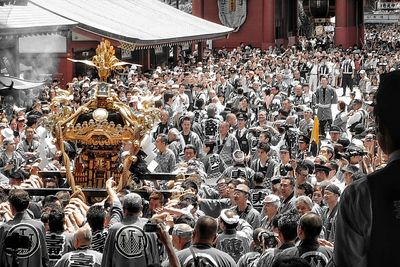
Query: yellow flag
315	131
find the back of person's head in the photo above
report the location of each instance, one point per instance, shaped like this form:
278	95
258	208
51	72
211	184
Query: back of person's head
229	218
287	225
19	199
56	220
386	106
311	225
185	219
82	237
206	229
211	110
96	217
199	103
290	261
132	203
158	103
258	177
256	233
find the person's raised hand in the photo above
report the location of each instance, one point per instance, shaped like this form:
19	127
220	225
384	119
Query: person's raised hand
110	183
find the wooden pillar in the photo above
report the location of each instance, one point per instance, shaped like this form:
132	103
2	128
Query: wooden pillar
268	24
200	48
70	65
284	13
146	58
65	67
198	8
360	22
349	23
175	53
293	27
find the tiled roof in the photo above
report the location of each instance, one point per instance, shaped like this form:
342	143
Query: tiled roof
140	22
30	19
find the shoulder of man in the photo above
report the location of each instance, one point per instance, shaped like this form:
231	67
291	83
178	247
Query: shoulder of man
292	251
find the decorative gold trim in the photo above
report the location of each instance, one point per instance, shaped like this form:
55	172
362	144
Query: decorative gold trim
99	127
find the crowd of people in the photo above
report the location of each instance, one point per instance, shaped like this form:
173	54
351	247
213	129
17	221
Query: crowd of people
269	142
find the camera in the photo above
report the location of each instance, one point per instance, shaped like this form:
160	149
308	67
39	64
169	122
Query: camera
16	241
347	155
150	227
268	239
286	169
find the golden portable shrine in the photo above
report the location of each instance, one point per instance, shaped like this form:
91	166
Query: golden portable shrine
99	127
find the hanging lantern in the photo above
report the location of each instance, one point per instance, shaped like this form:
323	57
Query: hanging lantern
319	8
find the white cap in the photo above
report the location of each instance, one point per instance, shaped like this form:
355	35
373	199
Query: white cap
233	220
271	198
238	156
7	133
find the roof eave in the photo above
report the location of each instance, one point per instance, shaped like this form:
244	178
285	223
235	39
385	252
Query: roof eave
155	41
38	30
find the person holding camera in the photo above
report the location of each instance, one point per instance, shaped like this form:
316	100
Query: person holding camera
309	248
355	153
287	234
202	251
357	115
10	159
262	240
284	168
22	239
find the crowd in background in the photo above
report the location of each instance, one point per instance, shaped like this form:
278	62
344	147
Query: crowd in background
269	141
